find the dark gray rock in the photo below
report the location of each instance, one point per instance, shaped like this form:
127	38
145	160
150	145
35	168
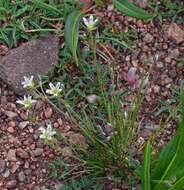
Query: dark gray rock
32	58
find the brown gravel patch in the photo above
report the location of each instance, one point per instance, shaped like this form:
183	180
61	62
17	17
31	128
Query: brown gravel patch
24	158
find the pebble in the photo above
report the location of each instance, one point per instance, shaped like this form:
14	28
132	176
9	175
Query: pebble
2	165
66	152
6	173
11	156
12	124
10	129
26	165
77	139
3	99
156	89
66	128
10	114
168	59
160	65
168	80
15	167
22	153
48	112
176	33
110	7
174	53
92	98
40	143
11	184
23	124
60	121
36	188
21	176
148	38
38	151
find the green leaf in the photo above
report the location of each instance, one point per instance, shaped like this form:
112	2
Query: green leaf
170	161
131	10
145	178
72	32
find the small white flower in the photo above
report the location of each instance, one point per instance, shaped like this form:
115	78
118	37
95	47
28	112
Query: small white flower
47	133
90	23
55	90
28	82
27	102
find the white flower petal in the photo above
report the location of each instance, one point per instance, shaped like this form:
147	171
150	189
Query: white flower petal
51	85
48	91
53	133
42	129
95	21
91	19
42	136
49	127
58	85
85	21
20	102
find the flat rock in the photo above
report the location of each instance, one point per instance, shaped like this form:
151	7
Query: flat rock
35	58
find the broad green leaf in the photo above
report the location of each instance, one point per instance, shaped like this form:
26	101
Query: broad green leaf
72	32
145	177
131	10
170	161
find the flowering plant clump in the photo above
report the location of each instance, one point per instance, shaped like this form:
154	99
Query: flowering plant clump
27	101
28	82
47	133
55	90
90	23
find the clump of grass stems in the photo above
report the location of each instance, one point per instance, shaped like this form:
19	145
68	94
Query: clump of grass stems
109	129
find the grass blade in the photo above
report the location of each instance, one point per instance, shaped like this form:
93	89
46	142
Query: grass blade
45	6
130	9
178	185
145	178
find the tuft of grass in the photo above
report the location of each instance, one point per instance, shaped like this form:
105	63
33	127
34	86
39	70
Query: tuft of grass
109	130
22	20
119	40
168	9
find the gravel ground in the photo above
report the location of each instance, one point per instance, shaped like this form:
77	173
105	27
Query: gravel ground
24	159
158	48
